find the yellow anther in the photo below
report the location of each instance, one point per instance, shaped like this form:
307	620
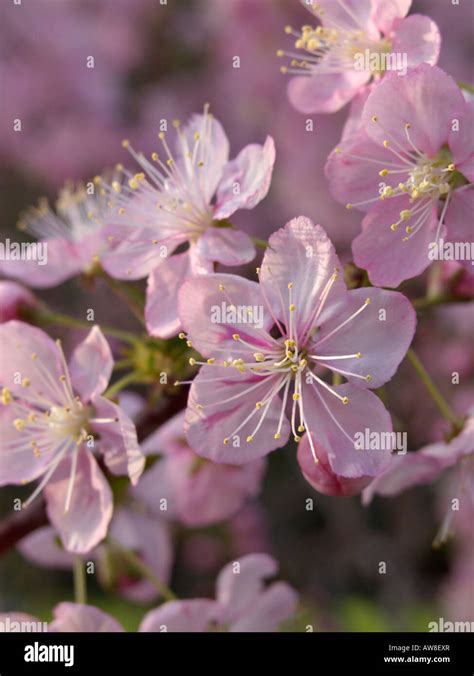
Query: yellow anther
235	336
189	343
259	356
226	441
161	135
211	360
303	363
6	396
19	424
133	183
368	378
368	301
221	287
154	157
192	361
408	229
349	206
345	400
386	143
338	151
121	211
199	407
374	118
280	53
294	368
125	143
34	356
288	30
289	342
277	435
405	214
297	438
25	382
383	172
394	227
249	439
290	285
296	396
451	167
284	70
358	355
301	428
182	335
258	405
292	307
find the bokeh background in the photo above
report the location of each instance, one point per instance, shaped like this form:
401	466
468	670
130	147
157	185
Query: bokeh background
156	61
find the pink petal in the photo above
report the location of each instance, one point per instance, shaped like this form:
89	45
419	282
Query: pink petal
425	93
213	151
76	617
203	309
85	524
226	246
418	37
238	586
351	14
62	262
382	252
386	11
18	463
458	221
364	411
42	548
301	253
161	309
321	475
351	172
148	537
207	428
382	332
118	440
168	438
323	93
252	172
91	365
135	255
272	607
182	616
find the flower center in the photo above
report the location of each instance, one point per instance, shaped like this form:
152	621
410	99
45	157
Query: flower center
67	421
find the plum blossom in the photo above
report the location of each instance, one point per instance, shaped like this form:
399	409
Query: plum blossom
13	298
72	235
71	617
242	604
184	198
198	492
310	326
326	57
426	466
51	414
410	168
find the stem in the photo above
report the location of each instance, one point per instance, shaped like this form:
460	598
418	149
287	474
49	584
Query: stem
49	317
80	586
435	394
260	243
140	567
122	382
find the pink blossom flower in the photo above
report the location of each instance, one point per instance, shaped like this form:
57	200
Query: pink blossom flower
326	58
184	198
426	466
198	492
71	235
410	168
299	324
14	297
50	415
242	604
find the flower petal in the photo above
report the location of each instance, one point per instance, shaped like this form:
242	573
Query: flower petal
461	140
418	37
91	365
43	549
335	426
182	616
118	440
226	246
207	428
389	259
382	333
323	93
424	93
272	607
300	254
252	172
62	261
78	617
386	11
85	524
